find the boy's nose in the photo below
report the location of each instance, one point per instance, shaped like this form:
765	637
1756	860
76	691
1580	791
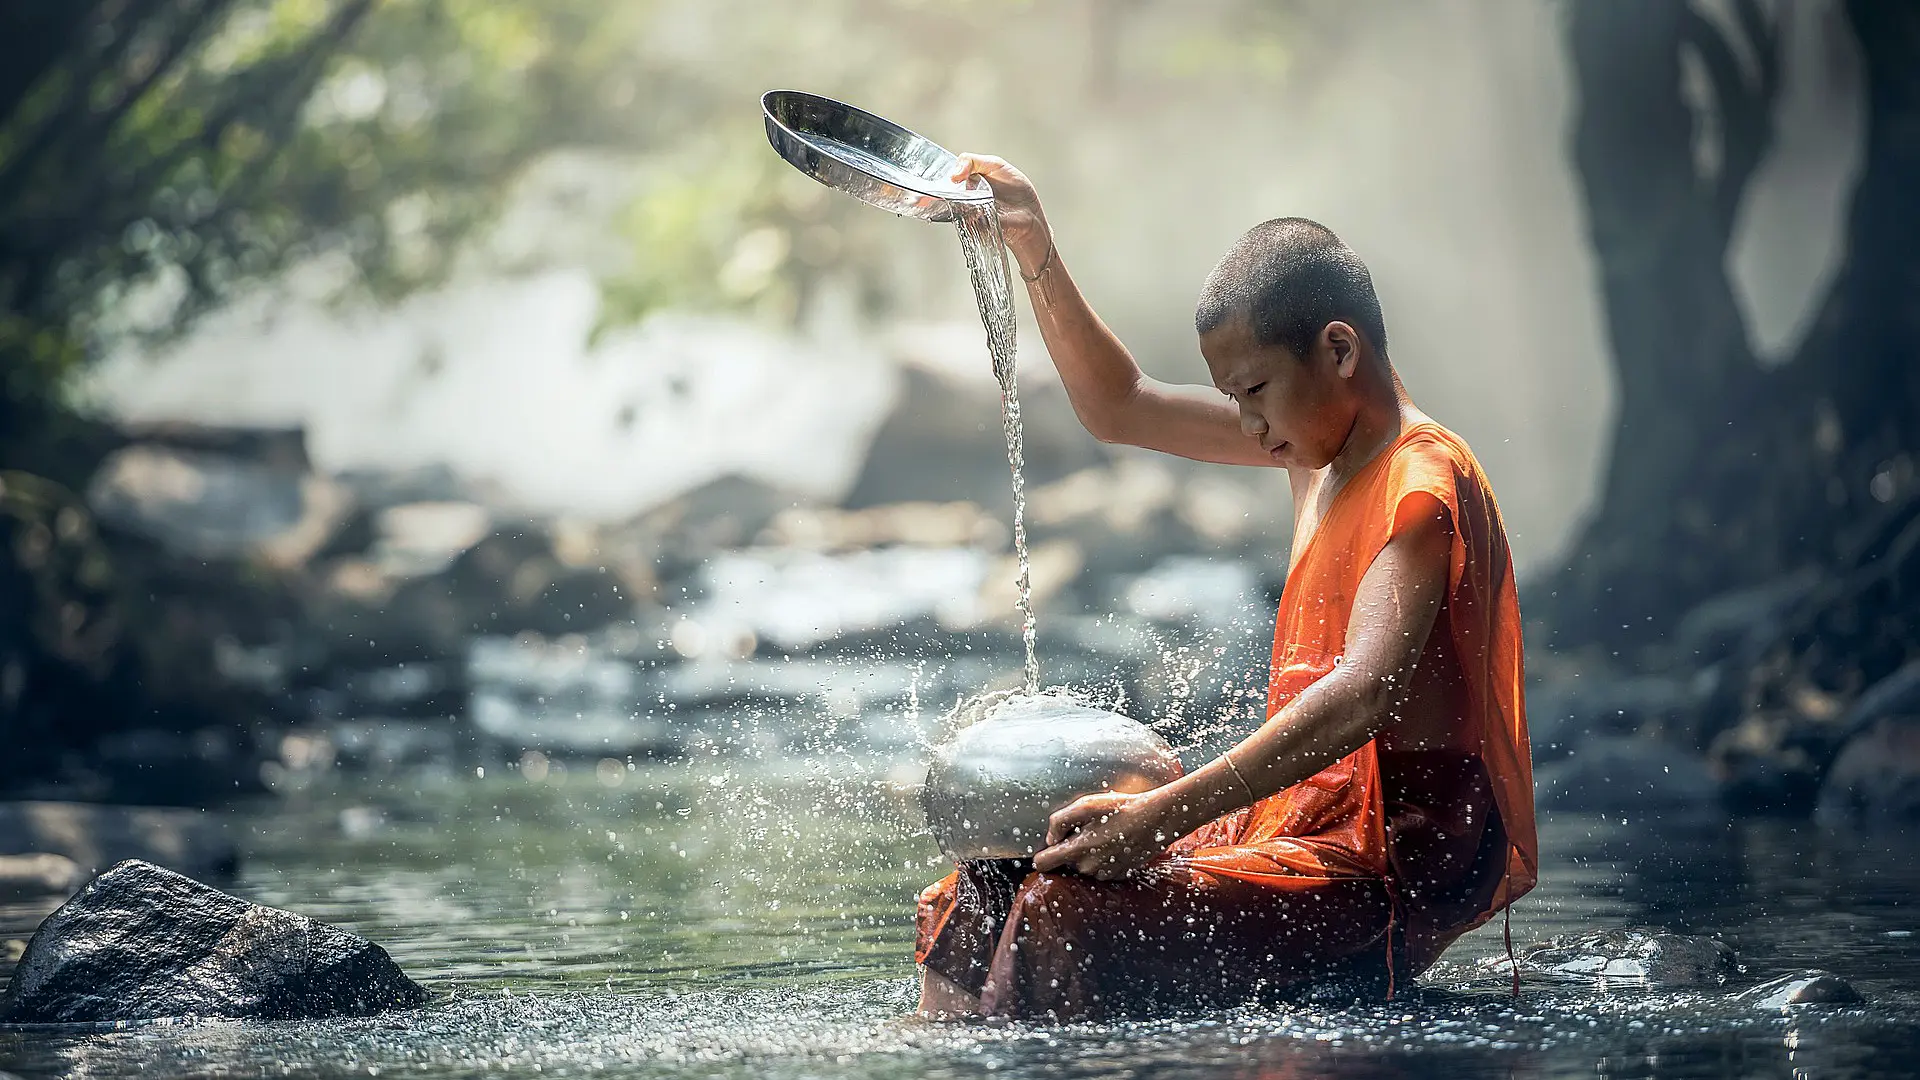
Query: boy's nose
1252	424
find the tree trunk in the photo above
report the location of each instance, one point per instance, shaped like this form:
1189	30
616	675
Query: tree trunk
1856	379
1722	474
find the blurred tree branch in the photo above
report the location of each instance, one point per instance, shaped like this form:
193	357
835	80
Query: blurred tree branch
1744	101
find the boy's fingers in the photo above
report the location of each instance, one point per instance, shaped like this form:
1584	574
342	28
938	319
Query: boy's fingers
1070	817
984	165
1067	852
1054	856
1059	827
1060	823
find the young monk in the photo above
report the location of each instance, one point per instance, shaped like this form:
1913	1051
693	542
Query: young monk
1386	805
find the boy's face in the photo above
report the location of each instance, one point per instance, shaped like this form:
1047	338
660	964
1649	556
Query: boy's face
1299	409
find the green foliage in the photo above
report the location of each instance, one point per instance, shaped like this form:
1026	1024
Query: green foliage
155	154
725	224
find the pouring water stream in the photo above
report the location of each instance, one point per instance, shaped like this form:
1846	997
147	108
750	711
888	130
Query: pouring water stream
986	253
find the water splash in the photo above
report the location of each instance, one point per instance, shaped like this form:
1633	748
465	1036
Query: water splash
981	241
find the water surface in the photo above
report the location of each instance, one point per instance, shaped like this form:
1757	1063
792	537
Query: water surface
705	919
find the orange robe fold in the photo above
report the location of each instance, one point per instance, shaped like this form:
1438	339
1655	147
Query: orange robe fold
1366	870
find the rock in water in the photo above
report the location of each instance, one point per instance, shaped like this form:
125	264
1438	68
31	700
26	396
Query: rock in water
1810	987
1648	957
141	943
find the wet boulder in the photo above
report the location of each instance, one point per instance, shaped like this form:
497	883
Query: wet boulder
1876	775
214	505
1739	625
39	874
1810	987
94	836
1564	714
943	441
141	943
1626	775
1635	955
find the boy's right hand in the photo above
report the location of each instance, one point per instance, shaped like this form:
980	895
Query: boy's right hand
1022	221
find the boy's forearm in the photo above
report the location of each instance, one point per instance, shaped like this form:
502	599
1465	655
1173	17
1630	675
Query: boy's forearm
1328	721
1395	607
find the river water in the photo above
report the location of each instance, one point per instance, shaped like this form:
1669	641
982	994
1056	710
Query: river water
707	918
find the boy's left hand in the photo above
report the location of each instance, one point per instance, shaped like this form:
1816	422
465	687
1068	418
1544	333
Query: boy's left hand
1107	836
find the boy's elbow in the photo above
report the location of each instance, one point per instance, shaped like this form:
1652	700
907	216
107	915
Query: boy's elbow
1376	700
1103	424
1108	432
1109	421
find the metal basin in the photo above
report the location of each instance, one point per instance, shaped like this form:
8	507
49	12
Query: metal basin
870	158
993	785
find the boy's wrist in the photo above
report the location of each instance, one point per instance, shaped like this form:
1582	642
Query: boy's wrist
1184	805
1039	271
1034	254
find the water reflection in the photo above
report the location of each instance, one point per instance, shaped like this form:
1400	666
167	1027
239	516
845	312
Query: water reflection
716	917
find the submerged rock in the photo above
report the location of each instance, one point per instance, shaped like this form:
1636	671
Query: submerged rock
1810	987
1649	957
141	943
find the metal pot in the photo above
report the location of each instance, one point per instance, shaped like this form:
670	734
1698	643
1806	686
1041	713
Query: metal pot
870	158
992	786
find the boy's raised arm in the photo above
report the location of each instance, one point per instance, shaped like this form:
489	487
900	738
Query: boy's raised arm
1113	398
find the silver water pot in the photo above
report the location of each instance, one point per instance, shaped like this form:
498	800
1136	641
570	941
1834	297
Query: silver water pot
993	784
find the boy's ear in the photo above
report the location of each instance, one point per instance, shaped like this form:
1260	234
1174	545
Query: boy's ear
1343	344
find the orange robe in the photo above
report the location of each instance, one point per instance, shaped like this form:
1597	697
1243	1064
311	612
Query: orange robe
1362	872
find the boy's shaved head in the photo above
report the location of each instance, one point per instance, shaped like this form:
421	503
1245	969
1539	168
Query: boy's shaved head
1292	277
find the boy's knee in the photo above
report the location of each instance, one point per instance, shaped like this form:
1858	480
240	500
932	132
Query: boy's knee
1049	889
1057	904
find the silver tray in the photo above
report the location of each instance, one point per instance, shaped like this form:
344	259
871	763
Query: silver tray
870	158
